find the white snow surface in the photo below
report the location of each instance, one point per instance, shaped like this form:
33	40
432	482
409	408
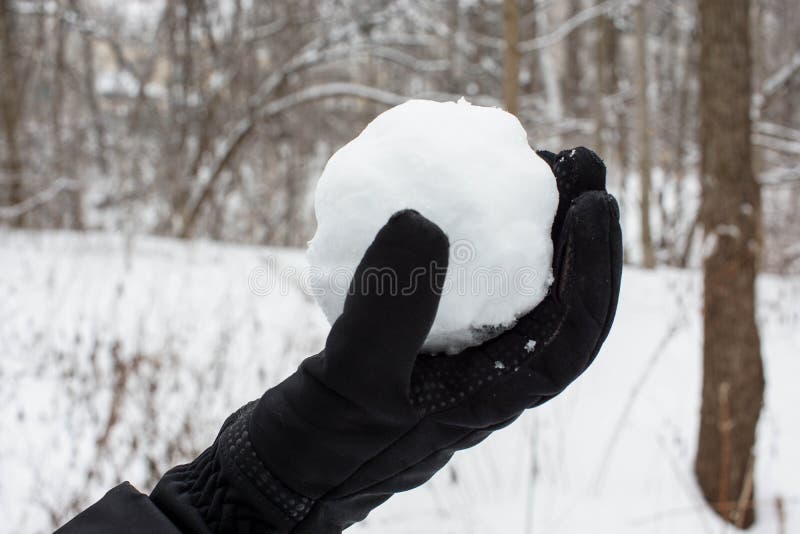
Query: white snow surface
200	330
470	170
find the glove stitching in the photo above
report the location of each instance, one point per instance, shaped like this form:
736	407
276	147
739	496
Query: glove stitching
236	444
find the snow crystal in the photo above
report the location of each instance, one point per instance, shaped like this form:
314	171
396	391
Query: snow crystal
530	345
471	171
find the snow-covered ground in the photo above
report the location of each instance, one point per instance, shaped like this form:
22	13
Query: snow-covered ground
107	344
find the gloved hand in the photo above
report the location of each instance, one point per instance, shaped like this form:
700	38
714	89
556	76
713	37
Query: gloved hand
369	416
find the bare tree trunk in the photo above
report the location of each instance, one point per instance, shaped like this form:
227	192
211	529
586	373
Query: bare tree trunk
606	65
549	75
733	381
645	148
601	79
63	160
92	103
572	72
511	56
458	22
10	104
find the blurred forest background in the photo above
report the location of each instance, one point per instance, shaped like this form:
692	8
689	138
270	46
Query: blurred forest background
210	120
202	118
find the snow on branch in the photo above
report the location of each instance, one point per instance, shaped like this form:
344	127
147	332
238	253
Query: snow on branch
777	144
42	197
407	60
264	31
775	82
569	26
406	39
326	90
780	175
776	137
314	57
777	130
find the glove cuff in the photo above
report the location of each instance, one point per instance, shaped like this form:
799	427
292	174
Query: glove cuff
227	489
240	461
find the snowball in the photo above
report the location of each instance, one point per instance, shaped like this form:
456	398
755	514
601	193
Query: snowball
470	170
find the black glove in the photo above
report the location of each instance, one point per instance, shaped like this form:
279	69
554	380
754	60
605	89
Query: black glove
370	416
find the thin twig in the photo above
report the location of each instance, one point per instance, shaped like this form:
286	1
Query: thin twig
663	343
42	197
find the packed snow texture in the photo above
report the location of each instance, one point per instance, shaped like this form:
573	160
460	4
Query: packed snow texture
110	345
470	170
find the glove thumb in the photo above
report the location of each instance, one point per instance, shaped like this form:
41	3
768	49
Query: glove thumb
390	308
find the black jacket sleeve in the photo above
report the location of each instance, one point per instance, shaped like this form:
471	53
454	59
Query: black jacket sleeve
122	510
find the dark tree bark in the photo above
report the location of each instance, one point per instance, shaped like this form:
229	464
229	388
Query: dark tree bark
10	105
607	82
733	382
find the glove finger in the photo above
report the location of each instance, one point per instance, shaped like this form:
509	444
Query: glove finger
390	308
586	287
549	157
577	170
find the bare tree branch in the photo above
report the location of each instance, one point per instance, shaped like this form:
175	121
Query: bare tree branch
42	197
776	81
570	25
